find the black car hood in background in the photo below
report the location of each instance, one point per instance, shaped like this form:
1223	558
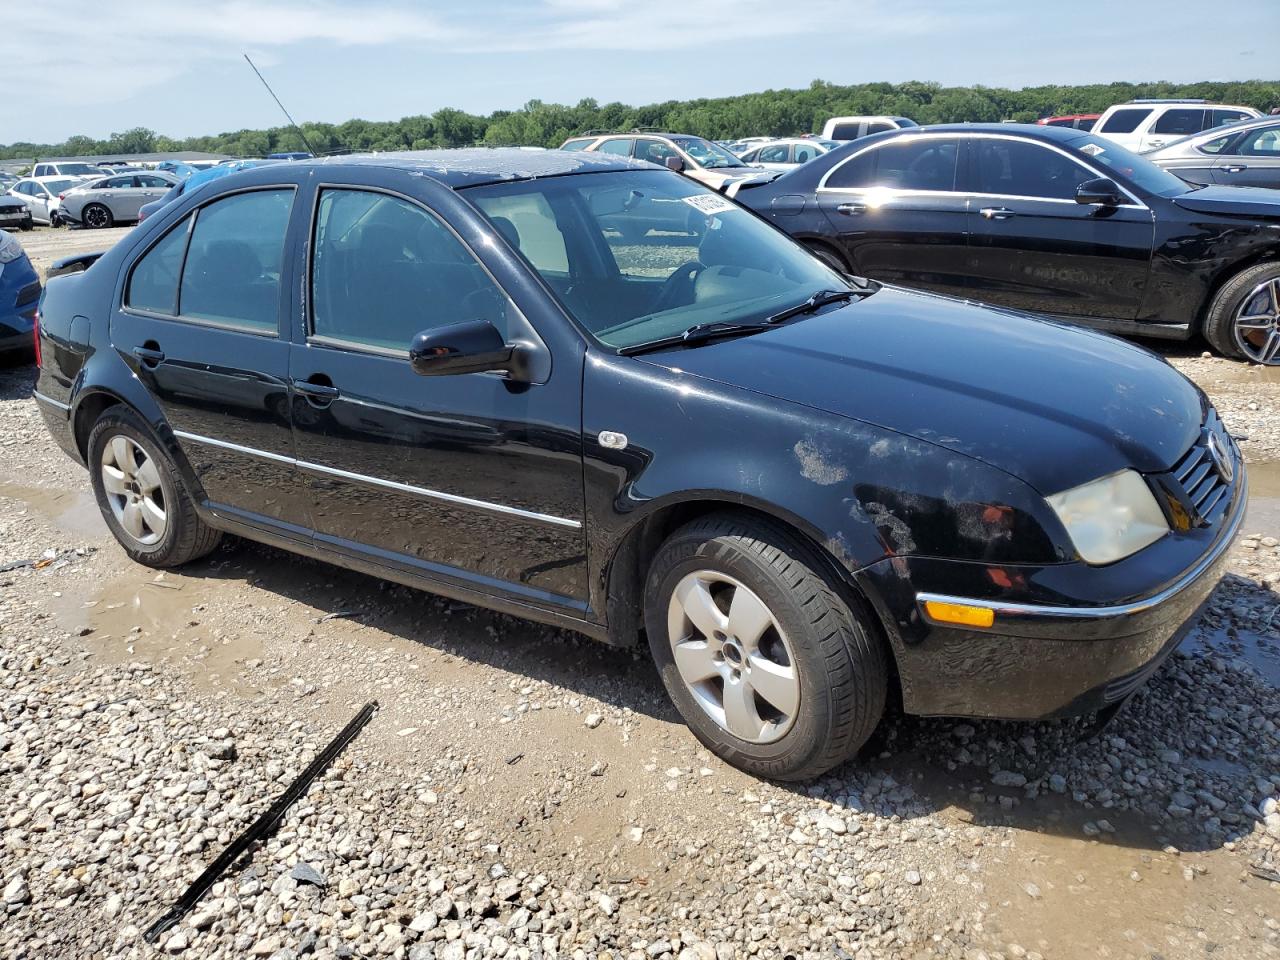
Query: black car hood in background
1053	405
1233	201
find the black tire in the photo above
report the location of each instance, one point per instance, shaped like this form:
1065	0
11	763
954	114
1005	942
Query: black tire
838	655
1219	321
28	224
186	536
96	216
828	256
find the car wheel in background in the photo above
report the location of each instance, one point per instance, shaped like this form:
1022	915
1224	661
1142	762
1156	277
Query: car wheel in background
1243	320
141	495
96	216
770	668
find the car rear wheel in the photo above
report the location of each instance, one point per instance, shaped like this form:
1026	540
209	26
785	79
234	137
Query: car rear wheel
96	216
1244	319
141	496
770	668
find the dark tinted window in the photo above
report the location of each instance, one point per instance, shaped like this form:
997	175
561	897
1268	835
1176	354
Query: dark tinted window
151	180
1086	123
1219	117
655	151
845	131
911	163
1125	121
153	285
1060	122
774	153
385	269
1020	168
618	145
879	126
117	183
232	274
1179	122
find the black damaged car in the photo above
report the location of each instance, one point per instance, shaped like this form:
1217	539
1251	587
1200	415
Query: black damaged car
1047	219
453	370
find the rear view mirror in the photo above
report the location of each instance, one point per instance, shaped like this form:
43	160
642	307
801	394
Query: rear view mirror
1101	192
675	163
472	346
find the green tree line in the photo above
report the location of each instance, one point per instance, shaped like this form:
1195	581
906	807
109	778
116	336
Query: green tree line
768	113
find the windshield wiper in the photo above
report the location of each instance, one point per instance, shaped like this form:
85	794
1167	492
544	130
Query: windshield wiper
815	302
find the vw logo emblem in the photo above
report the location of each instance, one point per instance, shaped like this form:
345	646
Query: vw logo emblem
1220	454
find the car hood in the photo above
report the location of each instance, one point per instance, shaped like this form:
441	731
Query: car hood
1053	405
1234	201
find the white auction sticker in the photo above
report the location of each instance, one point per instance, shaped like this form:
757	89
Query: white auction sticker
1092	149
709	203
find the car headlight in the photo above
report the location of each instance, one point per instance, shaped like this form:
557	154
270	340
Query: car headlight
1111	518
10	248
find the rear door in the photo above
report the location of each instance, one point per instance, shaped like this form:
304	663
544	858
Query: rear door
897	213
200	324
469	479
1033	247
1253	159
122	195
1173	124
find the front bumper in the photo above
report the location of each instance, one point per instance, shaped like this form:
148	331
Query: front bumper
1041	660
10	219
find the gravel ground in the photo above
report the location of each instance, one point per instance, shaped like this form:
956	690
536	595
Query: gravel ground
527	793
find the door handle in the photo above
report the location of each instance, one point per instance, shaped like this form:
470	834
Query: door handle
1235	168
851	209
150	356
317	394
997	213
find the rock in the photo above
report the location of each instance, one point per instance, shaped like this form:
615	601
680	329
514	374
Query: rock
593	720
305	873
1008	778
177	942
423	922
1057	783
913	877
608	906
598	768
16	890
1032	890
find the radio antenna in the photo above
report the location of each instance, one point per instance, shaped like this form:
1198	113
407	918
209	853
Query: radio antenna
305	141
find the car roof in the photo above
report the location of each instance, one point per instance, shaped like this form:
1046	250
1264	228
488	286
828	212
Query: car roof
1034	131
475	166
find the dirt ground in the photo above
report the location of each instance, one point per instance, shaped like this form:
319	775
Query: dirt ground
505	751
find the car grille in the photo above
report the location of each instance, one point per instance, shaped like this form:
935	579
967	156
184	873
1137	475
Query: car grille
1197	492
28	294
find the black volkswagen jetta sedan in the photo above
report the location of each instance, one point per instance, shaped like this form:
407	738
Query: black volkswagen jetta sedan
1047	219
801	487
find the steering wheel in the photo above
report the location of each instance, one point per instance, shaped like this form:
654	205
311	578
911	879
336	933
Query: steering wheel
677	286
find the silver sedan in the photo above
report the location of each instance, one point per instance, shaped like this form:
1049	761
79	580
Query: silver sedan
117	199
1244	154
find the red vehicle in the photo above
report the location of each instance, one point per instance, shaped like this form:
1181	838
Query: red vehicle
1080	121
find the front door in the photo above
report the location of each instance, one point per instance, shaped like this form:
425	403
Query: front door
897	214
1034	248
200	326
1254	160
471	478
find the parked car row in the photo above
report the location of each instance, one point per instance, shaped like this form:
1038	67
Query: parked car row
807	493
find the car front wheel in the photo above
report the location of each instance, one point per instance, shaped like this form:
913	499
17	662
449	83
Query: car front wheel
1244	319
141	496
96	216
770	668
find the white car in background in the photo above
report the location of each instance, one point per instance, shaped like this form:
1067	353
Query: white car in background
43	196
787	154
743	144
68	169
852	128
1142	125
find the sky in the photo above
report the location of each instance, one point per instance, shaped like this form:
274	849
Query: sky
176	66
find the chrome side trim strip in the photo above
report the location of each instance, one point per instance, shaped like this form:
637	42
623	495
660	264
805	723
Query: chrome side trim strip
65	407
1042	611
387	484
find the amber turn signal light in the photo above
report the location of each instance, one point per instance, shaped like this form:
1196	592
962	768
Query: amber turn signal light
960	613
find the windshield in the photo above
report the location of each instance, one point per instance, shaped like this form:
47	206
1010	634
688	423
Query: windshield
58	186
1137	170
706	153
637	256
79	169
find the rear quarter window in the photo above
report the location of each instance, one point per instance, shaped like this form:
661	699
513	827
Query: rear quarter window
153	285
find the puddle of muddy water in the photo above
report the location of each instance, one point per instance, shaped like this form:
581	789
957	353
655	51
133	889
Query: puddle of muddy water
75	511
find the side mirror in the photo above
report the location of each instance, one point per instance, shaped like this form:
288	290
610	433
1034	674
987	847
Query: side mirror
674	163
472	346
1101	192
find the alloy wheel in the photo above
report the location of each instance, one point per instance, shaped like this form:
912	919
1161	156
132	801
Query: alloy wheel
733	656
134	492
96	217
1257	323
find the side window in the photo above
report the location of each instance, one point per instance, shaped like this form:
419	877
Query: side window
1219	117
909	163
117	183
41	170
619	145
1180	123
150	180
577	144
1019	168
153	284
845	131
232	273
805	152
879	126
1215	145
1125	121
655	151
1262	143
383	270
776	153
751	156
